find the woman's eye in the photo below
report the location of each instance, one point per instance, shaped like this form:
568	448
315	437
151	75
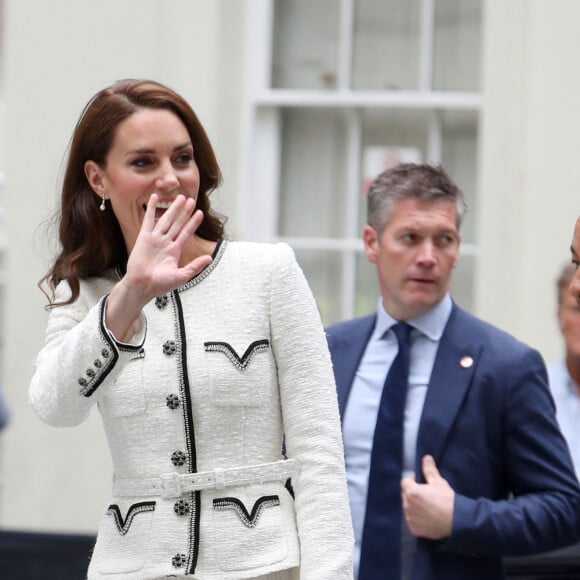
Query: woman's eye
185	158
141	162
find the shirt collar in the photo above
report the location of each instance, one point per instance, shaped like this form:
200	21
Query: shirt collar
431	324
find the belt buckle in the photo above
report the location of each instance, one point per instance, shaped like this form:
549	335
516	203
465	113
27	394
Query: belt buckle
171	485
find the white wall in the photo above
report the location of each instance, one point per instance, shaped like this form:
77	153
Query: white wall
58	54
530	175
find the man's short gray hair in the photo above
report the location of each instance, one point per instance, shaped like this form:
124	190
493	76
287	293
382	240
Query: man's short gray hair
419	181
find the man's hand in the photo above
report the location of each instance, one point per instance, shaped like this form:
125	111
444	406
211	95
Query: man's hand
428	507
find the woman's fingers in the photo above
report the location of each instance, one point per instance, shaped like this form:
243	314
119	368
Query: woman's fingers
156	257
149	219
176	216
189	227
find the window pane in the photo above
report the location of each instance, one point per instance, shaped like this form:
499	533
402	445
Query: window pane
456	64
386	44
463	283
388	137
367	287
459	158
312	180
305	44
323	272
2	49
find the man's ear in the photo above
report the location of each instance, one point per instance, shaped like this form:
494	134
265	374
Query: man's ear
560	318
94	175
371	243
457	252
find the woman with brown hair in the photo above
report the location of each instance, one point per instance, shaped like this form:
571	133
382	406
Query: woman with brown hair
203	355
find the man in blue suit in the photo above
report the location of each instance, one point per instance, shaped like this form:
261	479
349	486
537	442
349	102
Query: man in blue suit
485	471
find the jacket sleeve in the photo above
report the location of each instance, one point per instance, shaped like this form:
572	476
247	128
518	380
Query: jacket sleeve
542	510
311	424
80	357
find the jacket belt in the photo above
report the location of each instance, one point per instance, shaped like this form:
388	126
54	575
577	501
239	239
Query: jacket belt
172	485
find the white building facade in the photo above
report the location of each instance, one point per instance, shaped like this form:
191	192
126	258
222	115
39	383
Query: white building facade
304	101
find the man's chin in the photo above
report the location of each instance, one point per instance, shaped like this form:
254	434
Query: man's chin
420	304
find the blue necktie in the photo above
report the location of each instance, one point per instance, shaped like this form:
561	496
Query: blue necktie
381	542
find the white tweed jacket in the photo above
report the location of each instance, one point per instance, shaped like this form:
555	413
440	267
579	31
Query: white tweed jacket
196	406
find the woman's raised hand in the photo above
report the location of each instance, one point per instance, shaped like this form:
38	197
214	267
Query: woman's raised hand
155	264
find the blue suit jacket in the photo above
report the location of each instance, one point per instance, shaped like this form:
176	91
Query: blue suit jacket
492	430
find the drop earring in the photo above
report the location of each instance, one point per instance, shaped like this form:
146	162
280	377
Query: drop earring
102	207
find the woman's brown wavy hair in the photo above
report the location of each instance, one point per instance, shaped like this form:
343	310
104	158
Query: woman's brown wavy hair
90	239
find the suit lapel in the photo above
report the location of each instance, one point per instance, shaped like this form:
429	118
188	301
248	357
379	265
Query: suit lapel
453	370
347	345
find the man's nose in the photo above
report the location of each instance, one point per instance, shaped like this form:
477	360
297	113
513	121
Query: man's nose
574	287
427	253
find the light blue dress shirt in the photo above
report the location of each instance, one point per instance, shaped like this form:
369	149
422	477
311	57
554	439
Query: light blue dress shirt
565	393
362	407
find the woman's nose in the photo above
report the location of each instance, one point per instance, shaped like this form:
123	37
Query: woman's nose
167	179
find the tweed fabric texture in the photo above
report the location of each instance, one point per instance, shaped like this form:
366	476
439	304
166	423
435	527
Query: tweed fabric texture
171	404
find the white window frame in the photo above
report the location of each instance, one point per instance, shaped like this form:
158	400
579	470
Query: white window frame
262	149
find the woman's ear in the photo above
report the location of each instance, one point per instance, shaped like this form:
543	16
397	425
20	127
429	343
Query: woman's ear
94	175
